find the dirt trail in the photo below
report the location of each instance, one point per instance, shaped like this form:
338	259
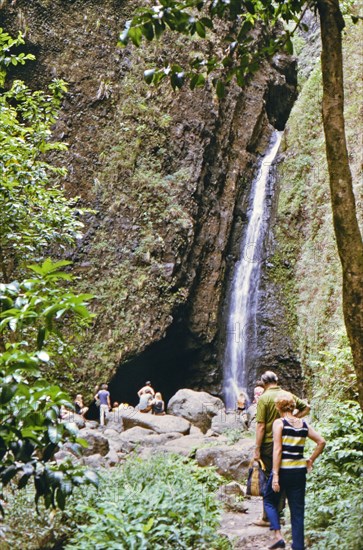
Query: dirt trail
240	529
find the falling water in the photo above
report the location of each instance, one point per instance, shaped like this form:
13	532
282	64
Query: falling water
241	325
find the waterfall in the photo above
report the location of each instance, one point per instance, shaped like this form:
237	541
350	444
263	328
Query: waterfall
241	322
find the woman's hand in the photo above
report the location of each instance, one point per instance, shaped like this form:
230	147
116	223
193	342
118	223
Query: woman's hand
309	465
275	483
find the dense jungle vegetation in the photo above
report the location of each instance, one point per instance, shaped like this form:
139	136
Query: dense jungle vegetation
167	502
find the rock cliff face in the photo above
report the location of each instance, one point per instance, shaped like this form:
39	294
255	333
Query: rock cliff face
167	175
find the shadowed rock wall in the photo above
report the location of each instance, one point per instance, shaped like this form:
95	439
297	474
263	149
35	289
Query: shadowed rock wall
168	176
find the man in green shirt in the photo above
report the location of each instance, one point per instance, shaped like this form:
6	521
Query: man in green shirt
265	417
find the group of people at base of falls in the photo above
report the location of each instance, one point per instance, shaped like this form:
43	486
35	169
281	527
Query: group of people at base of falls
248	413
149	401
280	438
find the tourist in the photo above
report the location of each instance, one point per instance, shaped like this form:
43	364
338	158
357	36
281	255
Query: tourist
147	388
259	389
146	400
289	469
158	406
241	402
103	396
79	406
265	417
252	409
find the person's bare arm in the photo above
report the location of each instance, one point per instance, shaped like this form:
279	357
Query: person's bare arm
320	444
260	432
277	454
304	412
109	401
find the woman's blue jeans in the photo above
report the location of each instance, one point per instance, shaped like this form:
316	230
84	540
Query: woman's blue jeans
293	483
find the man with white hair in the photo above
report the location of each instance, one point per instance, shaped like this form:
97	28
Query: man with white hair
265	417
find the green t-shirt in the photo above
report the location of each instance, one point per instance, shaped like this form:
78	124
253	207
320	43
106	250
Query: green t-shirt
267	412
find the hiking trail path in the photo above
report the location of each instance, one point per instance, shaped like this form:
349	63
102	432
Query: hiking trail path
244	534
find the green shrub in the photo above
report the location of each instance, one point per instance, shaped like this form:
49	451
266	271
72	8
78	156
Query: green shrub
334	504
35	214
165	502
32	315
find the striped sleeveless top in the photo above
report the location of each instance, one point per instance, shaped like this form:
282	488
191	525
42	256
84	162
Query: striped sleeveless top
293	441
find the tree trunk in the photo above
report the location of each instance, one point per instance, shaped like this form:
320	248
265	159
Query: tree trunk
347	233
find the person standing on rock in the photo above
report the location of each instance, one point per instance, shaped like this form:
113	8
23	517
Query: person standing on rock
103	396
265	417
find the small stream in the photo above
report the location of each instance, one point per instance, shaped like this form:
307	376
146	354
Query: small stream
243	301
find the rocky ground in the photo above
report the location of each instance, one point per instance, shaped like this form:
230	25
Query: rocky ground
199	428
239	527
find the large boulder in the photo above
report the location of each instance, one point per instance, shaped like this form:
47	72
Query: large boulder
73	418
94	461
228	421
112	458
198	407
184	446
137	438
231	461
97	443
159	424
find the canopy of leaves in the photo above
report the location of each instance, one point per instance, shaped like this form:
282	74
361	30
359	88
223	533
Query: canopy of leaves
254	32
241	34
34	212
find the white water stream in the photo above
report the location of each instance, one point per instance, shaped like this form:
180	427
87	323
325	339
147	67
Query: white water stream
241	323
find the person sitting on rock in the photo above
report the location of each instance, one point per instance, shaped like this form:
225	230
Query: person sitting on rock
146	389
146	400
79	405
158	406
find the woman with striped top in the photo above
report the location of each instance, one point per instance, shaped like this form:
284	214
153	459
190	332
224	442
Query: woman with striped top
289	469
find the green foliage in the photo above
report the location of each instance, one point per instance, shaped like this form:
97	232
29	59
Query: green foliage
7	58
31	431
35	213
241	51
336	364
334	502
306	263
233	435
164	502
137	505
